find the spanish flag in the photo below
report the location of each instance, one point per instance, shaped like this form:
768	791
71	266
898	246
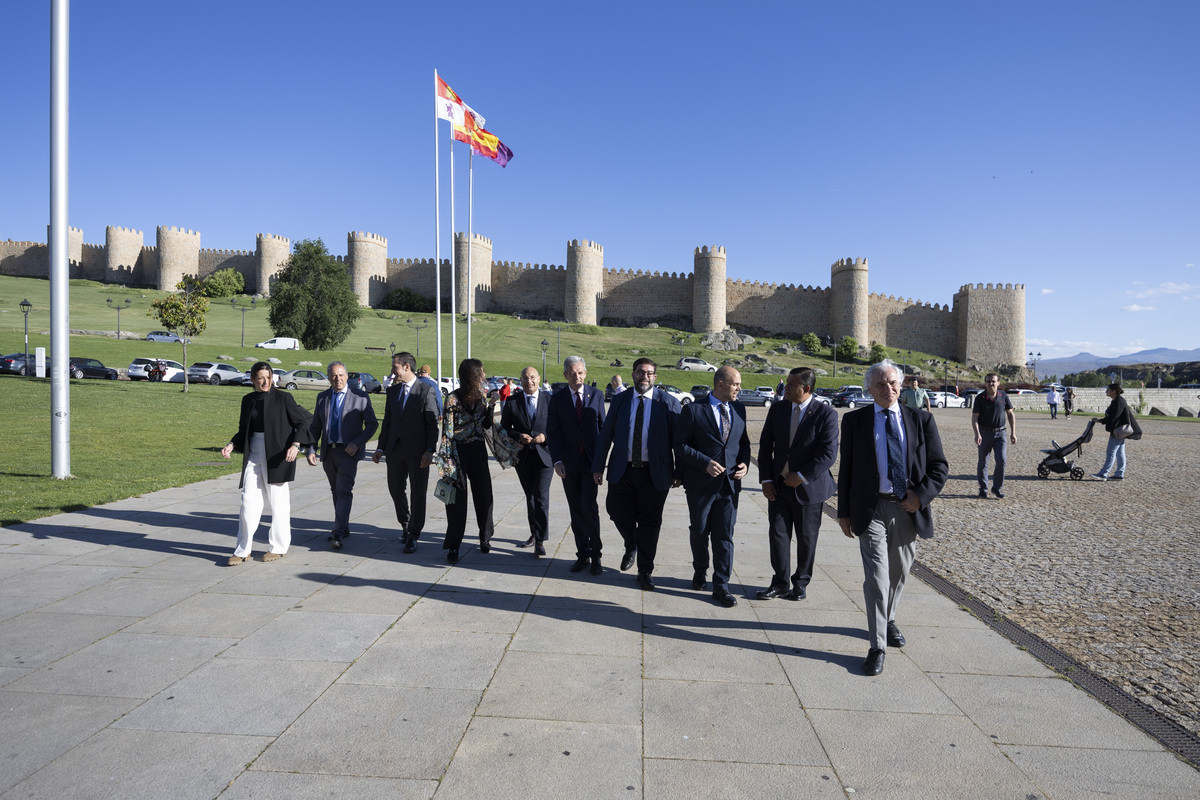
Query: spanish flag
481	140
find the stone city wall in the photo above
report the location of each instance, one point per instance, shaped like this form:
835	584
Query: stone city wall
775	308
925	327
638	297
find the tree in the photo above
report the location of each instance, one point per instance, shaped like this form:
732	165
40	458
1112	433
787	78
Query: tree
224	283
847	349
183	313
810	342
312	299
405	299
878	353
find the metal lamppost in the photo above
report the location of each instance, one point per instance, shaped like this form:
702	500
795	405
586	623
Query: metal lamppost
545	344
393	349
681	341
417	327
26	307
244	309
833	348
907	359
1033	359
118	307
558	344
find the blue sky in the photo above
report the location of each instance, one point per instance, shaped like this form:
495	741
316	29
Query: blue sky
1045	143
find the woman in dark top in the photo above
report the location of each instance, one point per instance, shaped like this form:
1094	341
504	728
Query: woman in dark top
466	415
1115	416
271	430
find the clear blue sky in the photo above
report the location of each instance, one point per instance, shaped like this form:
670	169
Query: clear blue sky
1047	143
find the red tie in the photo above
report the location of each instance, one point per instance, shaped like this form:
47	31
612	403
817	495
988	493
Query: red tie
579	413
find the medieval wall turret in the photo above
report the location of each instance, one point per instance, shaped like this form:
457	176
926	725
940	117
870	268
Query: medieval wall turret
585	282
708	288
849	310
991	324
123	252
367	257
473	293
272	253
178	255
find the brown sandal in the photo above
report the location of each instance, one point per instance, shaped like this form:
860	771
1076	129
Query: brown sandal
272	556
235	560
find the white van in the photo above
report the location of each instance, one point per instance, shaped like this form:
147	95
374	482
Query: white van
280	343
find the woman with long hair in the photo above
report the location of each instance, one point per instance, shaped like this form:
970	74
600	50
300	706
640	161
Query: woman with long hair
466	415
271	430
1116	415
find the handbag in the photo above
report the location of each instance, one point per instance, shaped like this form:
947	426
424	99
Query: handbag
445	491
1123	431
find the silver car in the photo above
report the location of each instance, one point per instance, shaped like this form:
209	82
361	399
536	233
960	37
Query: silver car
214	372
304	379
162	336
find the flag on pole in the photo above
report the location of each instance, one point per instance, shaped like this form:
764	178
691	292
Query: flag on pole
482	141
449	106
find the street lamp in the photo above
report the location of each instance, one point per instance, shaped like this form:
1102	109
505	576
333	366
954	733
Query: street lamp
1033	359
681	341
558	343
417	327
393	349
244	309
26	307
118	307
545	344
832	345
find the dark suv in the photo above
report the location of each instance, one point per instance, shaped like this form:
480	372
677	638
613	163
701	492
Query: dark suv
90	368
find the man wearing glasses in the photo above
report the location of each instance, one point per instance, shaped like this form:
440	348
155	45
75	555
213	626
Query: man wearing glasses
640	429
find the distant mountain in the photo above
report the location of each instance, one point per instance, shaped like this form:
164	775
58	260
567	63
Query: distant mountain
1082	362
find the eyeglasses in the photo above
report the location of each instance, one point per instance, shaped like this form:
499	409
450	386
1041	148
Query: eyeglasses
649	373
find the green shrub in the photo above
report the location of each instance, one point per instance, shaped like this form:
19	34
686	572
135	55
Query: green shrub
223	283
406	299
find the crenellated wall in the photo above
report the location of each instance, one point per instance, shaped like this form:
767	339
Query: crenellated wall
985	326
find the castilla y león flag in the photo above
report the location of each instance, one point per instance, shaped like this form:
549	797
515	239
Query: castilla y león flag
468	125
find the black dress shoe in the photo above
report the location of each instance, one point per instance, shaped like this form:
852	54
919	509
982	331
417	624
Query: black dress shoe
772	593
725	598
998	493
873	665
894	637
627	560
645	582
798	593
580	565
699	582
540	550
484	547
452	556
982	496
335	541
596	568
527	543
410	544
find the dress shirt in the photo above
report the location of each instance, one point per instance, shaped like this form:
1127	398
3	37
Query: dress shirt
649	395
798	410
334	404
881	452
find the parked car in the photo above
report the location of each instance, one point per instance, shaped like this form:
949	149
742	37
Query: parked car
15	363
448	384
755	397
679	394
851	398
1019	391
214	372
138	370
969	395
277	373
163	336
946	400
690	364
280	343
365	382
700	392
304	379
89	368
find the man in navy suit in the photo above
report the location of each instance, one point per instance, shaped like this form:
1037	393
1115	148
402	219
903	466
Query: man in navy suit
640	422
892	467
796	450
712	448
523	417
576	416
342	423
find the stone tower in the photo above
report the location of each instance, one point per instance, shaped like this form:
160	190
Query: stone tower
272	253
123	248
991	324
479	290
708	289
367	254
585	282
848	301
178	255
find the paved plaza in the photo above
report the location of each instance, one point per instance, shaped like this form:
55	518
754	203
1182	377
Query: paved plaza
137	665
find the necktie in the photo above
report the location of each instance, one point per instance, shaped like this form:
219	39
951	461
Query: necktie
638	419
335	419
530	408
579	405
793	424
403	397
726	423
896	471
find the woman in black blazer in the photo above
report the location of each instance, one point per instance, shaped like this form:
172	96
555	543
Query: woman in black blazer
466	417
270	433
1116	415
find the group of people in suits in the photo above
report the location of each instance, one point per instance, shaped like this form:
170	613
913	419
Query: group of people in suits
892	466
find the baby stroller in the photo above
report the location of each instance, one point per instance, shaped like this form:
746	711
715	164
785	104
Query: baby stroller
1056	456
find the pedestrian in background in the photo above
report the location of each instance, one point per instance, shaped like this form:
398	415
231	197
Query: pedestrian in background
1052	400
992	417
1118	420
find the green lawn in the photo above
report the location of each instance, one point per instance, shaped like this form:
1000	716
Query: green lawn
132	438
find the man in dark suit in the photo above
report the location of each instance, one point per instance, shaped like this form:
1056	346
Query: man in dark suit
796	450
408	437
639	423
892	467
523	417
576	416
712	448
342	424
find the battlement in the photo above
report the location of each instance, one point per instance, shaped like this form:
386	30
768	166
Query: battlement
716	250
585	244
1003	287
416	262
475	237
207	251
25	244
75	230
361	236
520	265
125	230
177	231
95	248
849	263
275	237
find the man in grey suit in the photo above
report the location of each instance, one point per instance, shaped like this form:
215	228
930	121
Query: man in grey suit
408	437
796	450
892	467
342	424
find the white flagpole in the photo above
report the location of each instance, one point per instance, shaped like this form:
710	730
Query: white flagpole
453	266
470	237
437	231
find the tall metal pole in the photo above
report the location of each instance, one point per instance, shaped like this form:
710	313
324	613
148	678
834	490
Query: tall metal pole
470	236
453	266
437	232
60	253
